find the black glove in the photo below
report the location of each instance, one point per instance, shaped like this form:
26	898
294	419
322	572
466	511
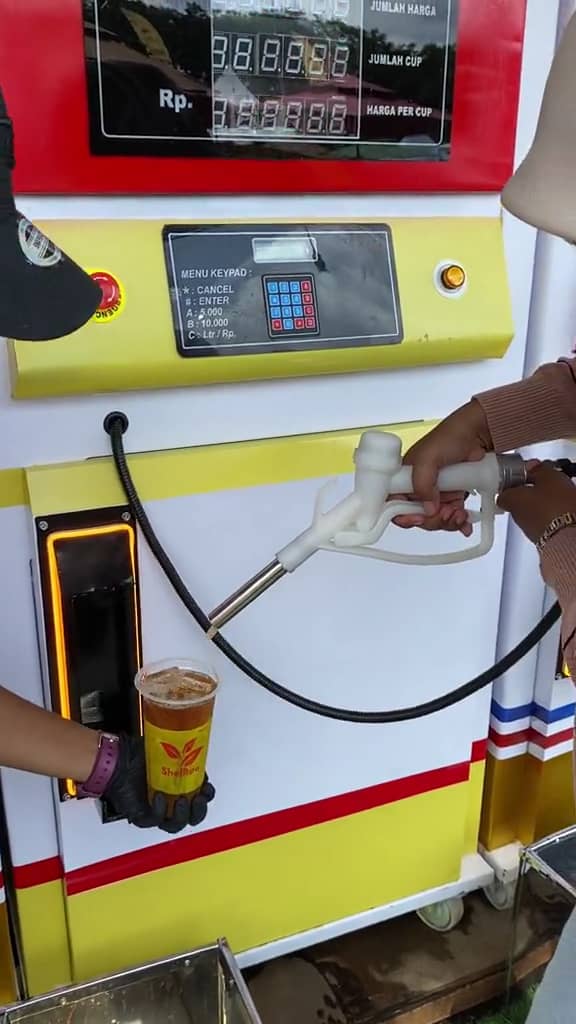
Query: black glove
127	791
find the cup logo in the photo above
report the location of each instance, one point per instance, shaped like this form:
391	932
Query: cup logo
185	758
176	760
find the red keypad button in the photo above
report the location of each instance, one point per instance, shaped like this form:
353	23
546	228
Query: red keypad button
299	323
276	325
309	310
310	321
306	287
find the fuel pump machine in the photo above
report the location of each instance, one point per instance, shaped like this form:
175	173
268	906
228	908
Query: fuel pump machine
251	340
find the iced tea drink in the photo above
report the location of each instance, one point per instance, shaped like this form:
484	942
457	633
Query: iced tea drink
177	705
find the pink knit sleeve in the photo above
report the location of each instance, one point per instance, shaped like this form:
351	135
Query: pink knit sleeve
540	408
558	566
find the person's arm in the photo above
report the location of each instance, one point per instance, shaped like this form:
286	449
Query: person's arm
540	408
558	565
39	741
546	513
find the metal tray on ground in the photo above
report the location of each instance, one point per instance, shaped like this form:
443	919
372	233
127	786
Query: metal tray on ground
555	858
201	987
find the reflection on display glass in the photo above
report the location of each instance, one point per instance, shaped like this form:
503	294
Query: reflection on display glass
344	79
287	248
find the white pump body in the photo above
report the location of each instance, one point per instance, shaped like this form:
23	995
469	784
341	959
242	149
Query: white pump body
357	523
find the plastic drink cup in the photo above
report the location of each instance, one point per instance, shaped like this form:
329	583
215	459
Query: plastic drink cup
177	705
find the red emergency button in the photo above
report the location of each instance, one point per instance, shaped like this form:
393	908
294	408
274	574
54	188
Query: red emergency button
110	288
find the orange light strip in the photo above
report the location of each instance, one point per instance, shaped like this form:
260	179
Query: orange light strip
58	611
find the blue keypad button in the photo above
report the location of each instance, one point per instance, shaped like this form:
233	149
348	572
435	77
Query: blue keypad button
285	299
274	300
297	310
294	286
272	286
288	325
284	287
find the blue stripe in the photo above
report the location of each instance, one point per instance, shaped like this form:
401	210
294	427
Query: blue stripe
532	710
511	714
545	715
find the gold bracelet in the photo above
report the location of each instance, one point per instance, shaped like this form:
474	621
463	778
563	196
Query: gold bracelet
557	524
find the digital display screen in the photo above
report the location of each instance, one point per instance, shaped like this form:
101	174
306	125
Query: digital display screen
344	79
285	249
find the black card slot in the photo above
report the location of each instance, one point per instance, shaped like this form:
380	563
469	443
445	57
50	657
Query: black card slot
89	573
101	658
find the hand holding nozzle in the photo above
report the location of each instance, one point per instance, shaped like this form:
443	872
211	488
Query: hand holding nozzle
356	524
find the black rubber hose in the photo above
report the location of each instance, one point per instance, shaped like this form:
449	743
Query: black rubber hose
116	424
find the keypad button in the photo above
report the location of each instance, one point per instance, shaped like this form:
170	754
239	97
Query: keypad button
288	324
272	286
299	323
274	300
298	311
310	321
294	286
276	325
284	286
285	299
309	310
306	286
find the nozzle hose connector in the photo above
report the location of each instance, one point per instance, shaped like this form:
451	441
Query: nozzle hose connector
513	471
116	427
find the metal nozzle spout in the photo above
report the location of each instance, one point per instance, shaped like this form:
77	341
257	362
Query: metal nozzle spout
246	594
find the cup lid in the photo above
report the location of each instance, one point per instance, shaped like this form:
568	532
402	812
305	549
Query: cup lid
176	683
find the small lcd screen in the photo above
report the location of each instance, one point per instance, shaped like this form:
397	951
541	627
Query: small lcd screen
285	249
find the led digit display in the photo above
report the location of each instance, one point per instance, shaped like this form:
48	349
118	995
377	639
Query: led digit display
345	79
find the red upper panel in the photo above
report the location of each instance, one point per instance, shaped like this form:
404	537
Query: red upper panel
44	78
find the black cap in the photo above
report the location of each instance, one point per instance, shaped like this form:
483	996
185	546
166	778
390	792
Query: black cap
43	293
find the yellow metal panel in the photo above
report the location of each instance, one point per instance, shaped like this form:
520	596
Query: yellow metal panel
13	488
8	989
296	881
551	782
526	799
475	793
69	487
137	350
506	802
44	935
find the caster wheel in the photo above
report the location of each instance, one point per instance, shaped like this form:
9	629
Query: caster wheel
444	916
501	895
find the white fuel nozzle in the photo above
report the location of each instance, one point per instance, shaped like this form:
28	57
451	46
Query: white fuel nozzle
377	458
357	522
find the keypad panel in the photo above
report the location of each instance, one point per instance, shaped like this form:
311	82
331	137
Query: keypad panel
291	307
